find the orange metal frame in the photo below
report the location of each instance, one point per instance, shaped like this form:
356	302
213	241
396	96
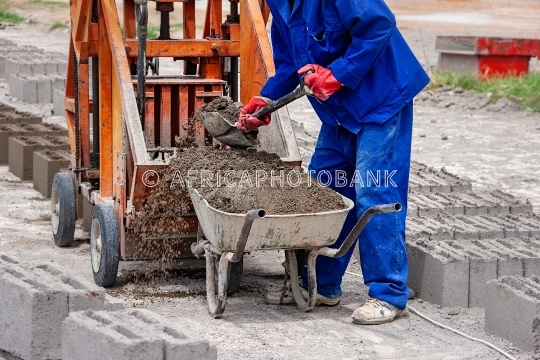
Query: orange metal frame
124	140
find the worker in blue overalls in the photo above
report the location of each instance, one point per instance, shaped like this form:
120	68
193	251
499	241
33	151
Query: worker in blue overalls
363	77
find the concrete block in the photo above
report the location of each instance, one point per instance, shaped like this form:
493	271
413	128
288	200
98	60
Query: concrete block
461	230
21	151
44	88
509	262
6	131
58	82
30	316
512	308
87	211
35	300
528	254
58	103
24	87
437	275
130	334
487	226
482	268
46	164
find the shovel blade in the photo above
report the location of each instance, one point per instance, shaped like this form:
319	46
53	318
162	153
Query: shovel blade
222	130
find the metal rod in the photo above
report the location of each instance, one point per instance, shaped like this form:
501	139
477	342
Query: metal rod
234	78
164	26
95	104
142	22
244	233
357	229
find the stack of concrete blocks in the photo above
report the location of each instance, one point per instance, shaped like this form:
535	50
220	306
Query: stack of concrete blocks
36	299
458	239
10	130
513	311
8	49
130	334
21	154
33	78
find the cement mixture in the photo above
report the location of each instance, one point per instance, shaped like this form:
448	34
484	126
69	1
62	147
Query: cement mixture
237	181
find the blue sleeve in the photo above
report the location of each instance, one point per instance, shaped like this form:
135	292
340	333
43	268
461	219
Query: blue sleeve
371	24
286	78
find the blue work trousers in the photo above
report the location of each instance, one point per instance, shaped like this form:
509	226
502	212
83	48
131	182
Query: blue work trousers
374	166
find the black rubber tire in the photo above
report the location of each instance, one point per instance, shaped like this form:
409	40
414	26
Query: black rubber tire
234	276
63	194
104	225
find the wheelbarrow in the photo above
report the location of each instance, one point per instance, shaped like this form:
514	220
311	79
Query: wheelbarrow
226	236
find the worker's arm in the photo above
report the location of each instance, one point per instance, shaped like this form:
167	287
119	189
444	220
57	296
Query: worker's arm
286	78
371	24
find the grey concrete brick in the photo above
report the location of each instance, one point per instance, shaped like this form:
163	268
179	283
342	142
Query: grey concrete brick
21	151
58	82
529	254
461	230
509	262
87	211
433	227
437	275
46	164
487	227
482	268
31	315
24	87
512	307
44	89
6	131
58	103
130	334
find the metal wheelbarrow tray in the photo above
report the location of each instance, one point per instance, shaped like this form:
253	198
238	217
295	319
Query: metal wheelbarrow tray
227	236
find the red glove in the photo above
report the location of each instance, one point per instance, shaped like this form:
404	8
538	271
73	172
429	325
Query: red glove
248	123
321	81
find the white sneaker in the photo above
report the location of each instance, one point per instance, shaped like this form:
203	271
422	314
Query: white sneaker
376	311
275	298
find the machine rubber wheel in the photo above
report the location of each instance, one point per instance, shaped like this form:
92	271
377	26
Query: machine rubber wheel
234	276
104	245
63	212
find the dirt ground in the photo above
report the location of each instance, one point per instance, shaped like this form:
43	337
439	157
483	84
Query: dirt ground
494	148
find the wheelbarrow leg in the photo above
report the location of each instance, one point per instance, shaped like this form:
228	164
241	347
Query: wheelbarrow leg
216	304
302	304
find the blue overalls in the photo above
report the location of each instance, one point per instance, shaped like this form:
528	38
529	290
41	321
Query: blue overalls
367	124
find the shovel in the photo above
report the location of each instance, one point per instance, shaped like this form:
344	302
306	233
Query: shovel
227	133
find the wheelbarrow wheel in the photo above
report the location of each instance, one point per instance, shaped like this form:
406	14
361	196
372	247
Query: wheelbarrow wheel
63	213
104	246
234	276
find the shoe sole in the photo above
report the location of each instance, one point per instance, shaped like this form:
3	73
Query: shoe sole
358	321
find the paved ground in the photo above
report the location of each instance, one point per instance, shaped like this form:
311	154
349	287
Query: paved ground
496	149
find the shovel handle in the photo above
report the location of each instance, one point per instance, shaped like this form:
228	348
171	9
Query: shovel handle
285	100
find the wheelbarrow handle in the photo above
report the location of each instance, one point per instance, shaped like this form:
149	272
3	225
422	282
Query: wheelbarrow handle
357	229
285	100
